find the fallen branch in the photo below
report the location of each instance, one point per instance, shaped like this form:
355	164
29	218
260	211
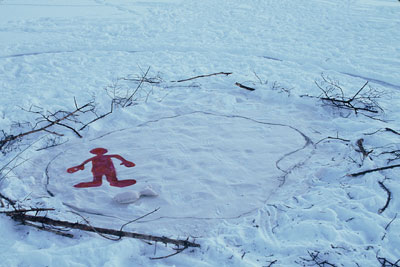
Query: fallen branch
244	86
203	76
391	130
389	196
48	221
373	170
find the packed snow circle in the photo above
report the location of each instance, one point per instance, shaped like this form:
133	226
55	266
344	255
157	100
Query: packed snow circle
223	133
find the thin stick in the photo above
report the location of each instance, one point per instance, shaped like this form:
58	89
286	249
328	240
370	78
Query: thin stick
137	219
11	212
48	176
49	230
389	196
387	226
391	130
333	138
173	254
244	86
203	76
137	88
362	88
373	170
99	117
9	200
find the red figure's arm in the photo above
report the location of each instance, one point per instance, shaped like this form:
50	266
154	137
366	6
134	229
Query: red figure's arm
79	167
124	161
86	161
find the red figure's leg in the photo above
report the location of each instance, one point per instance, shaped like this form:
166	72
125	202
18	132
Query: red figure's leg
112	179
123	183
96	182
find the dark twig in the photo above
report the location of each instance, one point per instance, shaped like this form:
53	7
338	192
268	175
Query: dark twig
332	138
178	250
48	176
391	130
373	170
272	263
137	88
71	128
386	263
94	229
203	76
9	200
394	218
15	211
137	219
244	86
389	196
99	117
43	228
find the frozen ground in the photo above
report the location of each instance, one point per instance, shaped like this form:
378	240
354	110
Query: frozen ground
249	175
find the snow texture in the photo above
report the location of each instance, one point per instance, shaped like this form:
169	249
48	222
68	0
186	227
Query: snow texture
250	175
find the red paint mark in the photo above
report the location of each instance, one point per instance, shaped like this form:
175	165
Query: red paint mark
103	165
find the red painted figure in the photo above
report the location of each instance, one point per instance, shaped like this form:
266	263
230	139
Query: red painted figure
102	165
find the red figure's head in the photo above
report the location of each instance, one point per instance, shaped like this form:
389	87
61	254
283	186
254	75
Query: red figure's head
99	151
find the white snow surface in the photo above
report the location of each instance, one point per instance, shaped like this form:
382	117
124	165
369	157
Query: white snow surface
251	176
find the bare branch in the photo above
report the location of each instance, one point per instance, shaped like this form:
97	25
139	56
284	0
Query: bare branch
373	170
202	76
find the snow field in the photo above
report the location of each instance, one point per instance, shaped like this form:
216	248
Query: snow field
243	173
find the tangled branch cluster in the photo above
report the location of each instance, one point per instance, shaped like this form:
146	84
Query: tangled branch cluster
51	123
364	100
316	260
